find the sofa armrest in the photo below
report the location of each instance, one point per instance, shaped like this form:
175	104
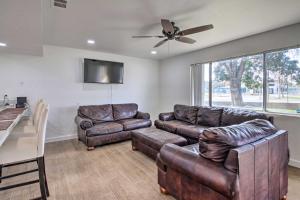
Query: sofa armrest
142	115
83	123
202	170
271	119
167	116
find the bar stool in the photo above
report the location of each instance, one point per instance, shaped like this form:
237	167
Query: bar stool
37	113
18	151
28	126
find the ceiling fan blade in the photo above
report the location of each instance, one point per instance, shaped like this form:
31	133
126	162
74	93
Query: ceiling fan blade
196	30
185	40
161	43
167	26
148	36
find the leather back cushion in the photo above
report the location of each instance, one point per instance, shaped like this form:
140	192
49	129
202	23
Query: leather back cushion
232	116
215	143
209	116
125	111
186	113
98	113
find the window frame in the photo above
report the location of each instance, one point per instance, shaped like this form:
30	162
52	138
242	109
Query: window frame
265	71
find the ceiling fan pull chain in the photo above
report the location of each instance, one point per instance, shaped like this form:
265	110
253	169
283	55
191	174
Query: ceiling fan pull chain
168	48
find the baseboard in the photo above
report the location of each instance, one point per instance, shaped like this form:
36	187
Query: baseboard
294	163
61	138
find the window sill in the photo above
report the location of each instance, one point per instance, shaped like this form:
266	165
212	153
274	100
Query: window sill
280	114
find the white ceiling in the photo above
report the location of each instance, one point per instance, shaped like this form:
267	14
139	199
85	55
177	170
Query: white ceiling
111	23
21	26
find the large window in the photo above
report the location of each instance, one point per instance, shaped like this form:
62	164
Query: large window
267	81
238	82
205	84
283	81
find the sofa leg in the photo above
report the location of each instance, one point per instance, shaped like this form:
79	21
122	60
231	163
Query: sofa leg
163	190
284	197
134	148
90	148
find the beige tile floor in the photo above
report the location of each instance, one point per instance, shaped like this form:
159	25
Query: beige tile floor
112	172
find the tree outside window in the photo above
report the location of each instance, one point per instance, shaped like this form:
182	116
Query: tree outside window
241	79
283	81
239	82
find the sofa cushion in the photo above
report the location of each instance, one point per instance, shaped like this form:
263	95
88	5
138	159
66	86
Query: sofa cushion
97	113
186	113
191	131
215	143
170	126
232	116
209	116
124	111
130	124
104	128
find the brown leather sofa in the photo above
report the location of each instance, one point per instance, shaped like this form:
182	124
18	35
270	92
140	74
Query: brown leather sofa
104	124
190	121
248	161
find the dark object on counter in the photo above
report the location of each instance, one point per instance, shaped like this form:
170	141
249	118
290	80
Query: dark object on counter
21	102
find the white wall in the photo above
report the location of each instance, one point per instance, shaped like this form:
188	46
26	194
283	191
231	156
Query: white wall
175	74
57	77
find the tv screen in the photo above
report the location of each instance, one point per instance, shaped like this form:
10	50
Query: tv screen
100	71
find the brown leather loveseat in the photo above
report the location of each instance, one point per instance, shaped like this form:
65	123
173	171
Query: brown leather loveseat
190	121
248	161
103	124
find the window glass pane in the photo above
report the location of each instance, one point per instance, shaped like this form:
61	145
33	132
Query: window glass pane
205	85
238	82
283	80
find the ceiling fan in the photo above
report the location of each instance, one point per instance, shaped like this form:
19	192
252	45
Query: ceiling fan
172	32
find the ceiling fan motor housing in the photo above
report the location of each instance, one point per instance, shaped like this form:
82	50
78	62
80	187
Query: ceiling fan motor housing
169	35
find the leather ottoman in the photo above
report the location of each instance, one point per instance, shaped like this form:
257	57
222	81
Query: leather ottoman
150	140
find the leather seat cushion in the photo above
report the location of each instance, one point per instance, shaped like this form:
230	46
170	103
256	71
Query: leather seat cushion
98	113
215	143
125	111
170	126
209	116
130	124
186	113
232	116
104	128
191	131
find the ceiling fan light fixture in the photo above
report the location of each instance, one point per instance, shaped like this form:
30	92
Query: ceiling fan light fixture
3	44
153	52
91	41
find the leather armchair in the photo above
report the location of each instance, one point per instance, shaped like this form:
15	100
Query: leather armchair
255	171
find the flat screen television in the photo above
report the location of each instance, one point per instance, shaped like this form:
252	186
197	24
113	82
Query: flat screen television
101	71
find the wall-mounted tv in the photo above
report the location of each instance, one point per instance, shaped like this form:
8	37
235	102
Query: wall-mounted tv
101	71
